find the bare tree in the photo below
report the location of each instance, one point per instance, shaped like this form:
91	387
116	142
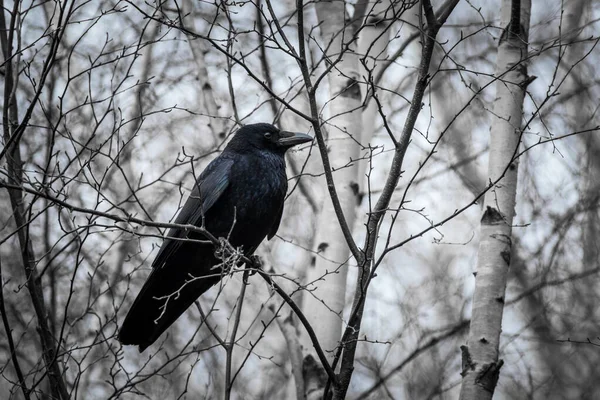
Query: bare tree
112	108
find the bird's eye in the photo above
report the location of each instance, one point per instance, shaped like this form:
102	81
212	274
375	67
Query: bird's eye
268	135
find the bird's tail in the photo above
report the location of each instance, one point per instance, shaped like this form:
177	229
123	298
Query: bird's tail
166	295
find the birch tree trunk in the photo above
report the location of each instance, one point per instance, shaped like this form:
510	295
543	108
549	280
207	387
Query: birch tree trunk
207	98
324	302
372	46
480	364
374	58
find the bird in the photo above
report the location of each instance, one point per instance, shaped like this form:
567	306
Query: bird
239	197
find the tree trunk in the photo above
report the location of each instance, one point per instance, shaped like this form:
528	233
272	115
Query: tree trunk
480	365
327	277
372	46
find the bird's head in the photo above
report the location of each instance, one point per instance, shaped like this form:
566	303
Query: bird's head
266	137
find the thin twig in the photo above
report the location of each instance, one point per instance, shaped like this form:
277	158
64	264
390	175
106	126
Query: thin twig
11	343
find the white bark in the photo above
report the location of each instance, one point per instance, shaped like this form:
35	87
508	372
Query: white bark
374	39
208	99
324	303
481	366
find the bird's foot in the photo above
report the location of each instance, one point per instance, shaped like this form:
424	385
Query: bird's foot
252	266
256	263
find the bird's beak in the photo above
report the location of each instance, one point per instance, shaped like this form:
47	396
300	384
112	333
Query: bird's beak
289	139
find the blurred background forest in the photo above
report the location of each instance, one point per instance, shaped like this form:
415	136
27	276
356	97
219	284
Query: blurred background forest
110	108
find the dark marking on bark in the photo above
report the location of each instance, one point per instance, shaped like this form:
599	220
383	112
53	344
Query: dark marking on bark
500	299
521	69
503	238
289	319
483	340
512	166
354	187
322	247
467	361
313	261
487	378
491	216
512	36
352	89
314	375
506	256
527	81
360	198
206	86
475	274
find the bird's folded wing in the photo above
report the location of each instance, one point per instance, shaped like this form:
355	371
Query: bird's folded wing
275	225
210	186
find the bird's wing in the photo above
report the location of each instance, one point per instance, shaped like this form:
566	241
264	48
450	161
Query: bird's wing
275	225
210	186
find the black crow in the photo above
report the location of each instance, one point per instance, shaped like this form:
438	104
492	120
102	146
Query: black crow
239	196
